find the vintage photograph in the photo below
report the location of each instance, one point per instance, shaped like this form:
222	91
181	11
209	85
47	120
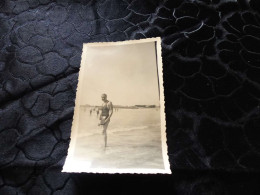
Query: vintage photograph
119	119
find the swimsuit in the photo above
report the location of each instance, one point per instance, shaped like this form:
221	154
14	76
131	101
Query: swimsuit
104	113
105	110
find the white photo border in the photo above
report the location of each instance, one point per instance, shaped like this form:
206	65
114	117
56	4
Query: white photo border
78	166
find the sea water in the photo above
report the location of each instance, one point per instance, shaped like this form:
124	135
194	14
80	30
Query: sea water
134	139
122	120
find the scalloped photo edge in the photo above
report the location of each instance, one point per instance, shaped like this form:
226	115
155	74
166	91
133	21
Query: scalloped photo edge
78	160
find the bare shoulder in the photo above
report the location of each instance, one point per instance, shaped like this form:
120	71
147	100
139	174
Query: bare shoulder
110	104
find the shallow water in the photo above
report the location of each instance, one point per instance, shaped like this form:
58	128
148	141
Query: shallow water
134	139
121	120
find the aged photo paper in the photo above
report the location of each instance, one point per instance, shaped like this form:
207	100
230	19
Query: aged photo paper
119	117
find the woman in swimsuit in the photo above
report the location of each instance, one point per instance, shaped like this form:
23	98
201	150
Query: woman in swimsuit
106	113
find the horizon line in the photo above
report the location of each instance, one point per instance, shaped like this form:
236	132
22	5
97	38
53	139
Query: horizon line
122	105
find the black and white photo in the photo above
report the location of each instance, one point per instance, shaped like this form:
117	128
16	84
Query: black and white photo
119	119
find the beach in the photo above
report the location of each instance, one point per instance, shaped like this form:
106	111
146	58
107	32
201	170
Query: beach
134	139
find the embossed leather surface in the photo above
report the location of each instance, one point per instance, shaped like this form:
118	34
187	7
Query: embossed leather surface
211	57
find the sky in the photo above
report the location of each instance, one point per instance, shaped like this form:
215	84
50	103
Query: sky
126	73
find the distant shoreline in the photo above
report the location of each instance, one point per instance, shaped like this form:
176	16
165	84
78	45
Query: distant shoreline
124	107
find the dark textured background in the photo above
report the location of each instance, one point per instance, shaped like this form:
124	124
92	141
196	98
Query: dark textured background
211	56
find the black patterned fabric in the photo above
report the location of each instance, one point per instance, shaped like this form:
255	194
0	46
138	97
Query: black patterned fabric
211	62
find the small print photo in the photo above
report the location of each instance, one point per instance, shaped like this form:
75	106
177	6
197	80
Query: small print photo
119	120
